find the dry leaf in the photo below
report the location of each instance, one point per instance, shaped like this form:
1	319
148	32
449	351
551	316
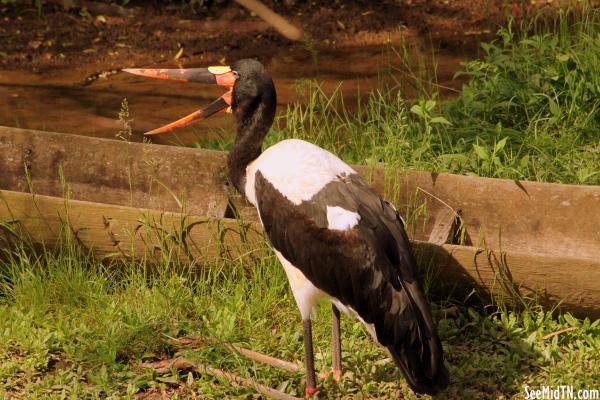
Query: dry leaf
34	44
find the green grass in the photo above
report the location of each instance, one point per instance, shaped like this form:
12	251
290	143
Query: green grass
72	326
530	111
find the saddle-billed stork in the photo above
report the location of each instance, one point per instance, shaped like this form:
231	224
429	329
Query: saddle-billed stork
335	237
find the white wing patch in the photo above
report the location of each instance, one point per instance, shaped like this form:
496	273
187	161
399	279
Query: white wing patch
297	169
341	219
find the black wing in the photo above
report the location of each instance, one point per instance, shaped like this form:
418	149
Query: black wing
369	268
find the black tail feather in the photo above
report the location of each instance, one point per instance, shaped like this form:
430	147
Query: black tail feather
429	376
413	343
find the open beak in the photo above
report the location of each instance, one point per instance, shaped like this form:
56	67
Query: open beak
222	76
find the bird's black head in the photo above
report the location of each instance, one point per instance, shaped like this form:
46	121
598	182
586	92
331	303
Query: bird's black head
253	99
251	95
253	84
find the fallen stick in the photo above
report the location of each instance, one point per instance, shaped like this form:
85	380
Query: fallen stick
239	381
548	336
275	20
184	364
251	354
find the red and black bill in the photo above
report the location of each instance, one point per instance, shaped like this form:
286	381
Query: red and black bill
221	75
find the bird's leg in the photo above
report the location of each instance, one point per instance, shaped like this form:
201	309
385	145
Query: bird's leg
336	344
336	347
309	359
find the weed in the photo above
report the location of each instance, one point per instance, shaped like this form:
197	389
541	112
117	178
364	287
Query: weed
531	111
125	120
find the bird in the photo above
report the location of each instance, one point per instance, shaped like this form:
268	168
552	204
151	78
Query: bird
335	237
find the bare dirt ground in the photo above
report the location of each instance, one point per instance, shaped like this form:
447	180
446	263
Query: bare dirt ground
62	38
47	59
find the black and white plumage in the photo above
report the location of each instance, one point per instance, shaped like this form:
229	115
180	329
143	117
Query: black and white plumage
335	237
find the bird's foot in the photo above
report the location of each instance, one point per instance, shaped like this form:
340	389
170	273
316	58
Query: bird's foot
336	373
310	392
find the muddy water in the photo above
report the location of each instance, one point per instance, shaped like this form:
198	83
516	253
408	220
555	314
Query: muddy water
57	101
